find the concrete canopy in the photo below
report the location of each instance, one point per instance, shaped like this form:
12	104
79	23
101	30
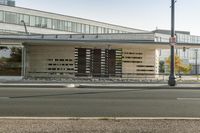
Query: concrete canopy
126	40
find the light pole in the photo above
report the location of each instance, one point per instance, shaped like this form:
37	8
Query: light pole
24	53
172	78
22	21
196	63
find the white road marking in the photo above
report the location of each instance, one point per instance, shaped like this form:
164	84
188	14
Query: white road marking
191	99
4	98
99	118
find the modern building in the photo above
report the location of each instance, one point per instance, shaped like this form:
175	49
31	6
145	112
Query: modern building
190	56
40	22
7	2
64	46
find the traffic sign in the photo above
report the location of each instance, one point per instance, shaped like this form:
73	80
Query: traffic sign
172	41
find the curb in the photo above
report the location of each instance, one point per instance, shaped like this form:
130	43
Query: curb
138	87
40	85
102	86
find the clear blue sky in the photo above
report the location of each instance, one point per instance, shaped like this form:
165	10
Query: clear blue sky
141	14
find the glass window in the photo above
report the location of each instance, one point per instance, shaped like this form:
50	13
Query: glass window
79	27
74	27
18	19
91	29
83	28
69	26
27	19
38	22
32	20
21	17
99	30
104	30
10	17
110	30
55	24
66	26
43	22
49	23
61	25
1	16
87	29
95	29
107	30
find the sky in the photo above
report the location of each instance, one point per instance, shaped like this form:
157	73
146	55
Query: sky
139	14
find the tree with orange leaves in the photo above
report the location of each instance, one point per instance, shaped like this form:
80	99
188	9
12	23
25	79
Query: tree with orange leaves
179	65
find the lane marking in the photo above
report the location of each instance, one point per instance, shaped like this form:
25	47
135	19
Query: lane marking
4	97
99	118
191	99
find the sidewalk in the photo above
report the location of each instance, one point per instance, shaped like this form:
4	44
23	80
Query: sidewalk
99	126
38	85
105	85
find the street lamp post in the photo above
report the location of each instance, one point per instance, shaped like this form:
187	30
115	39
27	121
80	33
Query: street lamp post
26	31
24	52
196	64
172	78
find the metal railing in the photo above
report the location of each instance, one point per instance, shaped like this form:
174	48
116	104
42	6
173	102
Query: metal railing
181	38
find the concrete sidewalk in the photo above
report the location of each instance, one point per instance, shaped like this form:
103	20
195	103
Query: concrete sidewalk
99	126
38	85
105	85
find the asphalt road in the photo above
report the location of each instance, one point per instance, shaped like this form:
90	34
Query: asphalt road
83	102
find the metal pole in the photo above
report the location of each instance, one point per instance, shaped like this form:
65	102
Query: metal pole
26	31
196	53
172	78
179	72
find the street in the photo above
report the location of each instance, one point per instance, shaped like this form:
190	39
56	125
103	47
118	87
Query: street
83	102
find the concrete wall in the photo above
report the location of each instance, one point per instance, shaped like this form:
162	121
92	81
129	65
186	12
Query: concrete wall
140	62
50	61
59	61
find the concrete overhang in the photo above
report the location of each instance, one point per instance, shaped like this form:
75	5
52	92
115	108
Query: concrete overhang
116	44
117	40
15	43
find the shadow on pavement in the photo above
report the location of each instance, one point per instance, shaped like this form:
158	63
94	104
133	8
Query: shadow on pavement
79	93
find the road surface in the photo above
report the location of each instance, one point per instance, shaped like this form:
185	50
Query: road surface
83	102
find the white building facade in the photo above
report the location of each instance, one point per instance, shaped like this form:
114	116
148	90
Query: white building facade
57	45
40	22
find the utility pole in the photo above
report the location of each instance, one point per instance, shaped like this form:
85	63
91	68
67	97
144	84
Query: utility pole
172	78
